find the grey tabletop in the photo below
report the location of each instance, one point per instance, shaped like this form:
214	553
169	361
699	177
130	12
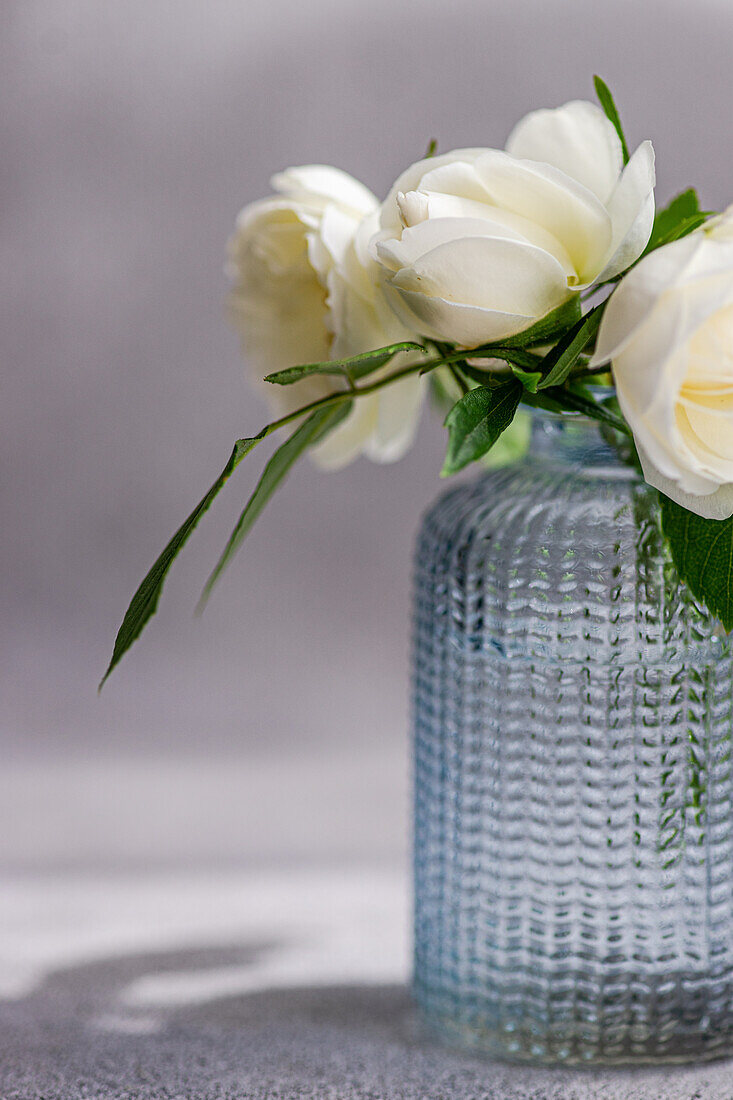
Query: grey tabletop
265	985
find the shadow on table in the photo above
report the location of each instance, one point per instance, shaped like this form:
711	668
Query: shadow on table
186	1024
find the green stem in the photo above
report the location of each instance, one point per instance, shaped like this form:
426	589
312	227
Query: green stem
354	391
340	396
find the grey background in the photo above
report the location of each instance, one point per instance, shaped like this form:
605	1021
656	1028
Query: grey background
132	133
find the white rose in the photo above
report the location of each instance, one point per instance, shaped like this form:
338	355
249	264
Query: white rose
306	289
668	334
478	244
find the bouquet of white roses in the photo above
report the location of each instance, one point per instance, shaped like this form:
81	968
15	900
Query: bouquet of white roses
495	279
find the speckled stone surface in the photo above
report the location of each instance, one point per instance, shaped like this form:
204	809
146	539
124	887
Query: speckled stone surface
357	1043
278	985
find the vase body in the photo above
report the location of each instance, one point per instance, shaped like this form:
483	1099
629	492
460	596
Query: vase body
573	833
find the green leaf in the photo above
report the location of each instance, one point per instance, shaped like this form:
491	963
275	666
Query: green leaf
145	601
702	551
512	444
549	328
575	401
476	421
560	361
681	229
431	149
681	216
679	210
606	101
357	366
529	379
311	431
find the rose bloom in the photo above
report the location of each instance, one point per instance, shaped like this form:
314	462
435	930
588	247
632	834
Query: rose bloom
668	333
478	244
306	289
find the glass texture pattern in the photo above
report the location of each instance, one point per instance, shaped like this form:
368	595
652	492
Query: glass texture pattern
573	834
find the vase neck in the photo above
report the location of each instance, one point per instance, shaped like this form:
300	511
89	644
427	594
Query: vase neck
578	442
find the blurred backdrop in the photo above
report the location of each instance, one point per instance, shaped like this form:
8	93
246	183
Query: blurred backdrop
276	726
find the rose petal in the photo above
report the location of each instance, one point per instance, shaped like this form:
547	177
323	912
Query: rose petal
336	233
721	227
346	442
513	277
466	326
410	180
576	138
502	223
312	182
420	239
413	207
717	503
458	178
398	416
650	372
631	207
709	436
556	202
633	301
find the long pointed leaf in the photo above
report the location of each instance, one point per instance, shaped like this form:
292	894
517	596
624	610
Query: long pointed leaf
306	435
145	601
564	355
606	100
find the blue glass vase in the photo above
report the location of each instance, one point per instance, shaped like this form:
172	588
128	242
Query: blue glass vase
573	707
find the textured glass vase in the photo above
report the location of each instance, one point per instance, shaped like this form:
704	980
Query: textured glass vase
573	813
